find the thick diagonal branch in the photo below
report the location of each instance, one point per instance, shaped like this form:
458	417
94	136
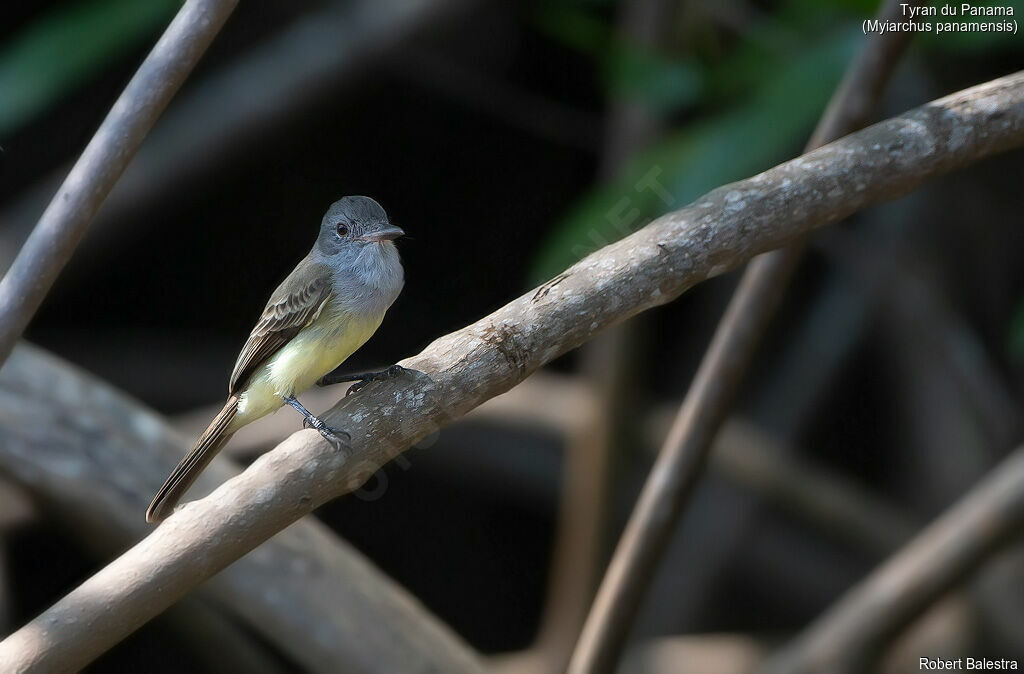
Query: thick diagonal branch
95	457
459	371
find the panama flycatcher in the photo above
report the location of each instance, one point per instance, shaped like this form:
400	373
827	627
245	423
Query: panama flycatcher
327	308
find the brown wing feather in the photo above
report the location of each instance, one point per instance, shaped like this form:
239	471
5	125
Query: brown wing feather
292	307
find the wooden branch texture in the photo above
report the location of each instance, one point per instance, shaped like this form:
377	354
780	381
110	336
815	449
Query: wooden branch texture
716	384
457	372
96	457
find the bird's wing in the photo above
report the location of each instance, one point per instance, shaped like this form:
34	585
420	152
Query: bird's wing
293	306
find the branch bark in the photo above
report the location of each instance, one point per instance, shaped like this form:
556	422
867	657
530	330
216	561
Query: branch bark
461	370
65	220
585	529
850	636
709	400
96	457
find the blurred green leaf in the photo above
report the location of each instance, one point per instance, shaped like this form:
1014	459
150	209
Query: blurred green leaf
64	47
668	83
860	8
974	41
764	129
574	26
632	71
636	73
1015	334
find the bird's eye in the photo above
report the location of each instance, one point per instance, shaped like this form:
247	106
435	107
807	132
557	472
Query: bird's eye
342	229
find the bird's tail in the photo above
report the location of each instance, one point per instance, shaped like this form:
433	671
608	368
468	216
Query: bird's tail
207	446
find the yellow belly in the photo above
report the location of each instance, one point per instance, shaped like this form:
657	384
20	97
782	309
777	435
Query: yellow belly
318	349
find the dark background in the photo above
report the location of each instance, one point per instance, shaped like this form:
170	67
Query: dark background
482	133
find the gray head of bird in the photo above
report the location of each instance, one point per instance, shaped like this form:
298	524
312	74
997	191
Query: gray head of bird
355	225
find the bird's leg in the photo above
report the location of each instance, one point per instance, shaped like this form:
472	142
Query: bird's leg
361	379
332	435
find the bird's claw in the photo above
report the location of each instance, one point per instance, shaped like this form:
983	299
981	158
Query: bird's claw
331	435
356	386
393	371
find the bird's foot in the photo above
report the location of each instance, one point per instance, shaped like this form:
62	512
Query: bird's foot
363	380
331	435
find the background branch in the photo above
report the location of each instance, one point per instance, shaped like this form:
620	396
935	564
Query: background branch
716	384
850	636
65	220
296	69
461	370
609	364
97	457
751	457
922	311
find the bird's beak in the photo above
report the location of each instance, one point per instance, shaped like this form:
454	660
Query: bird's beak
386	234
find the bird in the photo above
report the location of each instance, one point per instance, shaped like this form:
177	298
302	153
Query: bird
329	306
